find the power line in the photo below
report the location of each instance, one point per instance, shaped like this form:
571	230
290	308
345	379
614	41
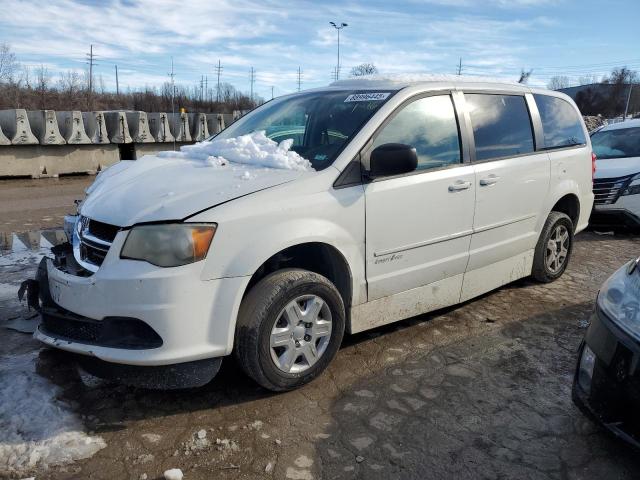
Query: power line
252	78
117	84
90	61
173	98
218	69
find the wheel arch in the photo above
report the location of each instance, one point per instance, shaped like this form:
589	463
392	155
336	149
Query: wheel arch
569	204
315	256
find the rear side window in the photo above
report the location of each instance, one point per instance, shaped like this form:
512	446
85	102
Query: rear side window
429	125
501	125
560	122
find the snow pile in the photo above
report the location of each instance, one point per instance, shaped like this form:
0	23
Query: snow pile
255	149
36	429
173	474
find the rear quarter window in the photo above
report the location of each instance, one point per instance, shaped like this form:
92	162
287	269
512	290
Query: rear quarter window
501	125
561	124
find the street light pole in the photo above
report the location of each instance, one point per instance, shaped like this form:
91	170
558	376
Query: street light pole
338	28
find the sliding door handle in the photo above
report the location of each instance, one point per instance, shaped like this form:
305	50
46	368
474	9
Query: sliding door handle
490	180
459	185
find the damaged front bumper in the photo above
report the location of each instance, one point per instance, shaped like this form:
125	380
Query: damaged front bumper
135	322
606	385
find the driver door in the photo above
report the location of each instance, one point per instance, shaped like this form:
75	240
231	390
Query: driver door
419	225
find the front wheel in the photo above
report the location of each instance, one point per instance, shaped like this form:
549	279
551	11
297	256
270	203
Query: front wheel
553	250
290	327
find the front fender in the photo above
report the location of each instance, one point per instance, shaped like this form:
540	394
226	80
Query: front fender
252	231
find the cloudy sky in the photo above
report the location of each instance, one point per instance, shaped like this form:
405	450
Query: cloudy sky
493	37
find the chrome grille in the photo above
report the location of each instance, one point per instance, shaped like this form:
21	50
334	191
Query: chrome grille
95	239
607	190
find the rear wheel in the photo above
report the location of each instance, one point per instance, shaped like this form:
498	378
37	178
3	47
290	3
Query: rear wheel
554	248
290	327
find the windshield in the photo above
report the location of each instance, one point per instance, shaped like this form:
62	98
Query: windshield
621	143
320	124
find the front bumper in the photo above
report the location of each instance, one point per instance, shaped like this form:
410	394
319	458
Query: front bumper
624	212
193	318
613	397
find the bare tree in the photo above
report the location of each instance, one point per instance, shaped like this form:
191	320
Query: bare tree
558	82
8	63
42	86
524	76
364	69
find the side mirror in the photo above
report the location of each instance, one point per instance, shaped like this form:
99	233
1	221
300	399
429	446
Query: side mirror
392	159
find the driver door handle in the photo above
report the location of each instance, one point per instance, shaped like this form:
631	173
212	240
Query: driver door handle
490	180
459	185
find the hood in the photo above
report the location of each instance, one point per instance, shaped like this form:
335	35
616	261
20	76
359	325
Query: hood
617	167
161	189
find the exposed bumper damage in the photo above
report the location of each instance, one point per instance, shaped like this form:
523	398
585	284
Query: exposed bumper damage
131	322
610	394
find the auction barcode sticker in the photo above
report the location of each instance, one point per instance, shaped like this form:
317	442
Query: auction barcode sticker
366	97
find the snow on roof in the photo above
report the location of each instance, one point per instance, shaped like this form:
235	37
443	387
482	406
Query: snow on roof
620	125
404	80
255	149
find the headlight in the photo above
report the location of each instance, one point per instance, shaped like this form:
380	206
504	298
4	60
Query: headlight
619	298
169	245
634	186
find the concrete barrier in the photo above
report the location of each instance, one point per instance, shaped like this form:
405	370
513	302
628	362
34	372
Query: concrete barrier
3	138
228	119
159	127
41	161
180	126
117	127
44	125
15	124
71	127
139	127
199	128
215	123
96	127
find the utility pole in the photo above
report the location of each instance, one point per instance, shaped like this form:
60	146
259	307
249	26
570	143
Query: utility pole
460	66
299	78
271	92
90	57
117	84
218	70
252	78
173	98
201	87
338	28
626	108
206	88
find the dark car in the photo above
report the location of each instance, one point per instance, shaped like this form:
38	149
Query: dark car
607	381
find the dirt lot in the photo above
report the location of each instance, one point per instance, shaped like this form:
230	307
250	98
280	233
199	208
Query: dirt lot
36	204
477	391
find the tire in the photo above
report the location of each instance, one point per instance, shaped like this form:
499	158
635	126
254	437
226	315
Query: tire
557	228
269	345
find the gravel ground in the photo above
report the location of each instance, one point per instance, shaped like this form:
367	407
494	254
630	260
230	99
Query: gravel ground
477	391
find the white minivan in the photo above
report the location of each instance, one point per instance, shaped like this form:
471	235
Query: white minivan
327	211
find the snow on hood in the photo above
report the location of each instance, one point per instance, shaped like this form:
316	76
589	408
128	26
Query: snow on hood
175	185
37	429
253	149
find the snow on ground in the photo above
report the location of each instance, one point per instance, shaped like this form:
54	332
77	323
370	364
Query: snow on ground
255	149
22	257
37	429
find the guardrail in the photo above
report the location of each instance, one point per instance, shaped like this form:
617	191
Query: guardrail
46	143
